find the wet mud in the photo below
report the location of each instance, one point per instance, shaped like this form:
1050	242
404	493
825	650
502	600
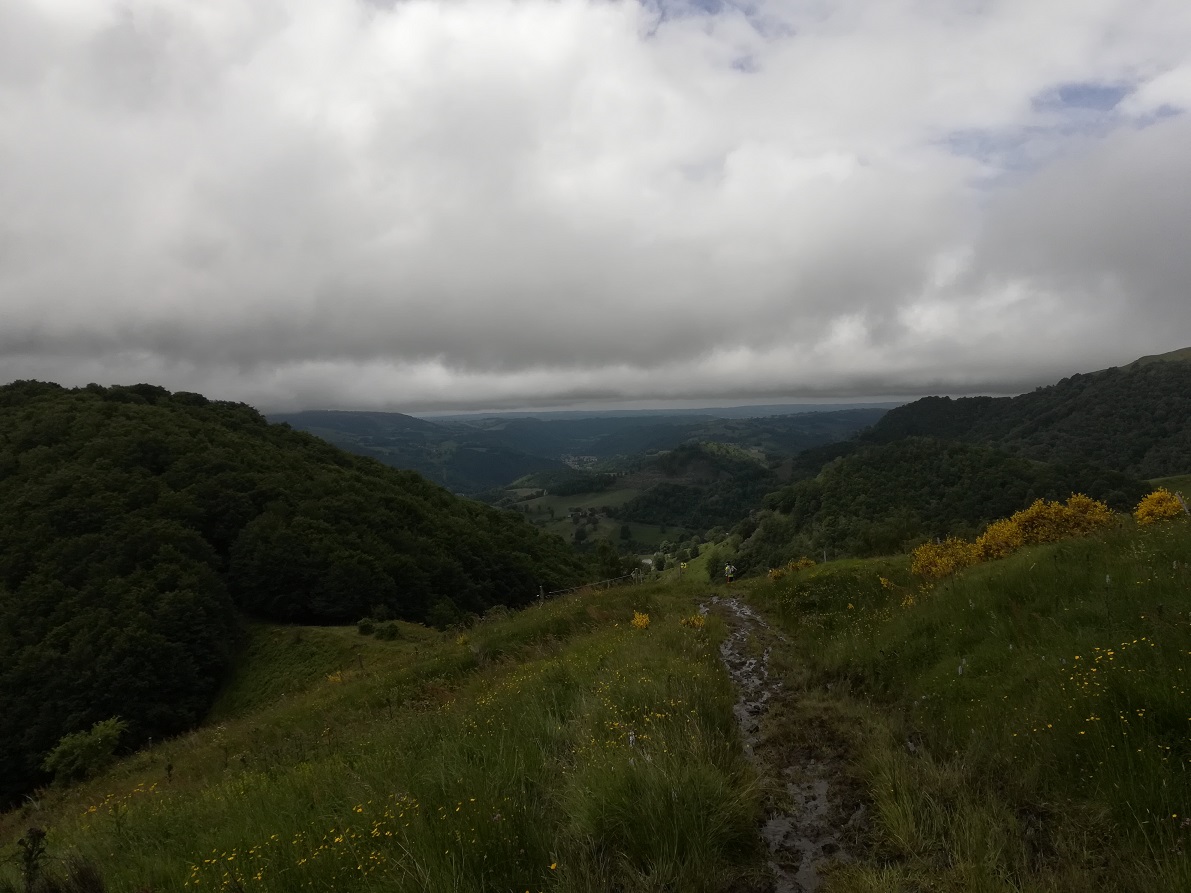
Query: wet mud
809	815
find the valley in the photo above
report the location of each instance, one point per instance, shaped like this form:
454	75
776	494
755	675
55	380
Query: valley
262	663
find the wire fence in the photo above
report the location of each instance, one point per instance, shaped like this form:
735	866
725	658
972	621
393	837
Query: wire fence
598	584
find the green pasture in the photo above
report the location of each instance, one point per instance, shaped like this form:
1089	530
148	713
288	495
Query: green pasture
562	504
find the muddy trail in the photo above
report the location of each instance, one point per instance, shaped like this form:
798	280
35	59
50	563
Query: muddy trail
813	812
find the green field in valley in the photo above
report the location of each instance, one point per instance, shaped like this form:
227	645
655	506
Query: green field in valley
562	504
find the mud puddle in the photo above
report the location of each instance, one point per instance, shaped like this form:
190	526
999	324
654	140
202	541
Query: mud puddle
807	818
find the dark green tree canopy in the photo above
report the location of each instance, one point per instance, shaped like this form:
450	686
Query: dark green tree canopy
882	497
134	522
1135	419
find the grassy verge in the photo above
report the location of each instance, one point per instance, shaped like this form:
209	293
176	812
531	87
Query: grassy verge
1026	722
1180	483
560	748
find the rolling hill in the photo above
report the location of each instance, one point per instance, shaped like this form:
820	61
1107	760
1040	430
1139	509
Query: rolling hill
137	525
1134	419
474	455
457	457
941	465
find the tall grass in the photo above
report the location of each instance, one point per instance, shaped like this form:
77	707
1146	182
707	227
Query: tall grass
559	748
1041	725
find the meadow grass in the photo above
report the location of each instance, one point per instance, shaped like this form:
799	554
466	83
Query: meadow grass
1028	718
557	748
276	662
1179	483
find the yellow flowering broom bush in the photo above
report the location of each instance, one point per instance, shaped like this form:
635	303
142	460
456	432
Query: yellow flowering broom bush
1042	522
1161	505
798	564
937	560
1001	539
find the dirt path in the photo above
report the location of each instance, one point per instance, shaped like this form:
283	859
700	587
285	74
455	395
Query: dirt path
810	812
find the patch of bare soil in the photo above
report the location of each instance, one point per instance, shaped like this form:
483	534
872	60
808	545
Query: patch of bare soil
813	810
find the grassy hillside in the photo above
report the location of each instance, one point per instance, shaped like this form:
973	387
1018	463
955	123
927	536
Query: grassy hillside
1021	726
1024	725
1179	483
560	748
1175	356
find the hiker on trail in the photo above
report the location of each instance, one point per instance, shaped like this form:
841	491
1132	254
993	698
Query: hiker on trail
729	572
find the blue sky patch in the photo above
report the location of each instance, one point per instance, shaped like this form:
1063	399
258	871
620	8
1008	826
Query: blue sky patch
1084	96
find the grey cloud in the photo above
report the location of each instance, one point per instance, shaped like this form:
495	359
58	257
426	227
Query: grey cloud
498	203
1108	230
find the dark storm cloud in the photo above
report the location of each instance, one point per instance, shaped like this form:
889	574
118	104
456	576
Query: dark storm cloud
428	204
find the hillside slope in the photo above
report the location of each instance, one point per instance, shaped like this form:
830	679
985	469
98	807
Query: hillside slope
134	522
560	748
1019	726
1135	419
457	457
881	496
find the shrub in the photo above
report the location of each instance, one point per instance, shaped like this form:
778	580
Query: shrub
497	612
80	755
640	621
798	564
366	627
1085	515
1042	522
937	560
1000	540
1161	505
443	614
388	631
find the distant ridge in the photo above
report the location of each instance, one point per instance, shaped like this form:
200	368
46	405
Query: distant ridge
752	411
1183	355
1134	419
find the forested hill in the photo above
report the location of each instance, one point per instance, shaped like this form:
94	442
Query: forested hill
1134	419
881	497
459	457
480	454
135	522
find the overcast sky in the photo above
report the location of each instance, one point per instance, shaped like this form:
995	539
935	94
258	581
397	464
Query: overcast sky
467	204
